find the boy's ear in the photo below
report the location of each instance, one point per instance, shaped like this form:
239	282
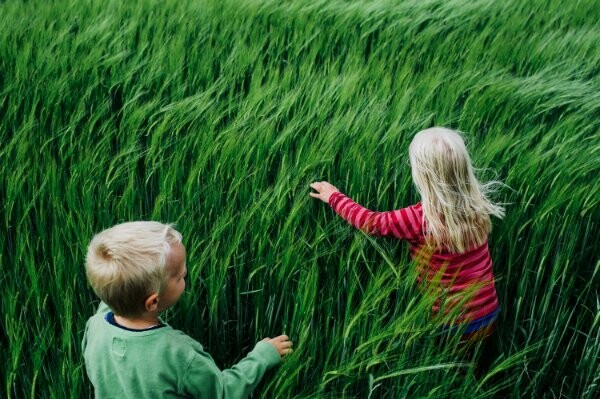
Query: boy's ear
151	303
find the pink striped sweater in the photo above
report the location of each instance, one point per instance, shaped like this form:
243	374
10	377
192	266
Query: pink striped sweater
456	275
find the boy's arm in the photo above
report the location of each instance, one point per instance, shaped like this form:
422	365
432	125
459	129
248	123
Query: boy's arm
241	379
203	378
403	224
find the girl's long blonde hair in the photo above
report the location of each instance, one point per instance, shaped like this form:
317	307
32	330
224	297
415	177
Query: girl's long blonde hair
456	208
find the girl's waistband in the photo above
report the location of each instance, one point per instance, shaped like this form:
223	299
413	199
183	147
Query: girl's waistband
476	324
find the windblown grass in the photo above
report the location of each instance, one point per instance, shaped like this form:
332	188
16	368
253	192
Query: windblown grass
216	115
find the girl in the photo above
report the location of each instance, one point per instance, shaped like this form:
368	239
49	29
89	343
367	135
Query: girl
447	231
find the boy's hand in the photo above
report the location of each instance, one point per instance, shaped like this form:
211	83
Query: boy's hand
282	344
323	190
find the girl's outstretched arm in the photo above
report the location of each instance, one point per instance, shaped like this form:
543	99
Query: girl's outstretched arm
403	224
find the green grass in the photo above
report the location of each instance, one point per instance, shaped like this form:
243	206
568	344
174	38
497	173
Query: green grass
217	115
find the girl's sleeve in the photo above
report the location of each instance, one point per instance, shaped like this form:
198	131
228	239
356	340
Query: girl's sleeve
405	223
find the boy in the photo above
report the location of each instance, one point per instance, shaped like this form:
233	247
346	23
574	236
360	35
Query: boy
137	269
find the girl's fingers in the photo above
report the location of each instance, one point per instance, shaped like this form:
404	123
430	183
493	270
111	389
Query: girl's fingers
314	195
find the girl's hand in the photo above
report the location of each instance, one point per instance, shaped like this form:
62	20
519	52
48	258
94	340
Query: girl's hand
323	190
282	343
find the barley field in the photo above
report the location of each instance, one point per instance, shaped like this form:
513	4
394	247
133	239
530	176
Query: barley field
216	115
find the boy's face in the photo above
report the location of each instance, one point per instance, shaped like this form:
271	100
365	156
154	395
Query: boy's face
176	272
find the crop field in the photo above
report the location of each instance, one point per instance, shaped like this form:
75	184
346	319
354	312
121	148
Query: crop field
216	115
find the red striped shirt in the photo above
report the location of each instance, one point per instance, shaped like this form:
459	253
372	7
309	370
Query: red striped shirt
453	277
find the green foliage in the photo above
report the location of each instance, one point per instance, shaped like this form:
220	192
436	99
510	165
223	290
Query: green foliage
216	115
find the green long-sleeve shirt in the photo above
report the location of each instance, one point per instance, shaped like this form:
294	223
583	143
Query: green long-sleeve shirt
164	363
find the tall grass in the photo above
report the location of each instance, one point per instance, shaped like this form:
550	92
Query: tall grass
216	115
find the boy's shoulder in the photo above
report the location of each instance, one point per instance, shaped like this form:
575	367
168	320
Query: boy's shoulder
111	352
97	327
166	345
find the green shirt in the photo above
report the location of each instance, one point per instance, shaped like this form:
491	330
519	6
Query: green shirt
164	363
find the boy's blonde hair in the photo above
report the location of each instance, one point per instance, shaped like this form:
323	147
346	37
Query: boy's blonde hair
455	205
126	263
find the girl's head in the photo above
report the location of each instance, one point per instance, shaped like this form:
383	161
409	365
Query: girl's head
455	205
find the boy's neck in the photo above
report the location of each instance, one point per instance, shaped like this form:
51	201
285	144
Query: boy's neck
139	323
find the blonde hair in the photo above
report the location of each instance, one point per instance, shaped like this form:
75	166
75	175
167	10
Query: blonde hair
456	208
127	262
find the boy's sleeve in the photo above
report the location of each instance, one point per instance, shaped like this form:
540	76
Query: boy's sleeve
203	378
405	223
102	308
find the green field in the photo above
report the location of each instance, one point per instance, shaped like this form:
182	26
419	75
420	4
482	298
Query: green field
216	115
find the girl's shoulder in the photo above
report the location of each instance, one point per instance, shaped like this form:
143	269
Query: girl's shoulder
416	213
410	222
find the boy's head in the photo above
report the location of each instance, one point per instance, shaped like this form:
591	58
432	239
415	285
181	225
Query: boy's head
134	265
